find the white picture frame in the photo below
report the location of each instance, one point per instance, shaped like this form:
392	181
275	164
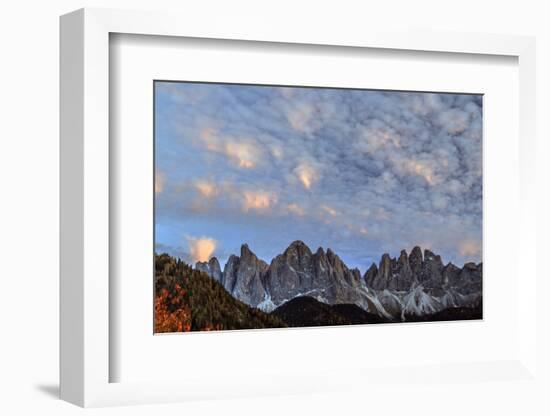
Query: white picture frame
85	182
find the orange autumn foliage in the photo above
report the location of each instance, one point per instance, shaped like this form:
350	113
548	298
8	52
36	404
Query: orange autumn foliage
172	314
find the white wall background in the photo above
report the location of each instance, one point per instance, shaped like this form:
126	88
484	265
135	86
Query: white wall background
29	207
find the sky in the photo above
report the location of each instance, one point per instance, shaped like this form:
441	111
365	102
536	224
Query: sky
363	172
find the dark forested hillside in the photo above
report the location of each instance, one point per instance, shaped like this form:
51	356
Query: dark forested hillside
451	314
306	311
190	300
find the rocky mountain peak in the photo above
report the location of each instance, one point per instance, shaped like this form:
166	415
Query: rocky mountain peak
333	259
356	273
249	259
320	252
215	269
298	247
385	266
416	260
370	274
298	256
450	275
416	253
431	273
211	268
230	272
470	266
245	251
202	266
432	268
430	256
242	276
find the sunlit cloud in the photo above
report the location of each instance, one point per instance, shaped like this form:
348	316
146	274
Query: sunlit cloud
421	169
206	189
257	201
208	136
469	248
244	153
159	182
329	210
296	210
375	139
201	248
307	174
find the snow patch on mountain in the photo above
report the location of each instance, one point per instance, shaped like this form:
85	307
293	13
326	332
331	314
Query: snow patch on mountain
267	304
417	302
452	299
369	302
391	301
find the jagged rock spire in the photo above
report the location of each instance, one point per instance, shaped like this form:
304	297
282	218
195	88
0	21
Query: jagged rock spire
212	268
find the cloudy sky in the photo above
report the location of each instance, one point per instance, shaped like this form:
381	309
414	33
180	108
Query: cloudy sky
362	172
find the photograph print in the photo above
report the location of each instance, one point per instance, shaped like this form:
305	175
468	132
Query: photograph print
279	207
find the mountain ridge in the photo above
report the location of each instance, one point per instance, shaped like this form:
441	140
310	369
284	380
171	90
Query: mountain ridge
415	284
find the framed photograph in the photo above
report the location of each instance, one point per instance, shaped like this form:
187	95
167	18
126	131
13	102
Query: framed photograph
236	206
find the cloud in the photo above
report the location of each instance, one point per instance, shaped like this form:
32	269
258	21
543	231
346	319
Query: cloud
276	151
159	182
300	118
377	137
329	210
295	209
360	171
206	189
454	120
201	248
257	201
421	169
286	92
439	201
244	153
469	248
307	174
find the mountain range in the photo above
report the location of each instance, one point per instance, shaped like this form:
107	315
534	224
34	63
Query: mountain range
410	287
